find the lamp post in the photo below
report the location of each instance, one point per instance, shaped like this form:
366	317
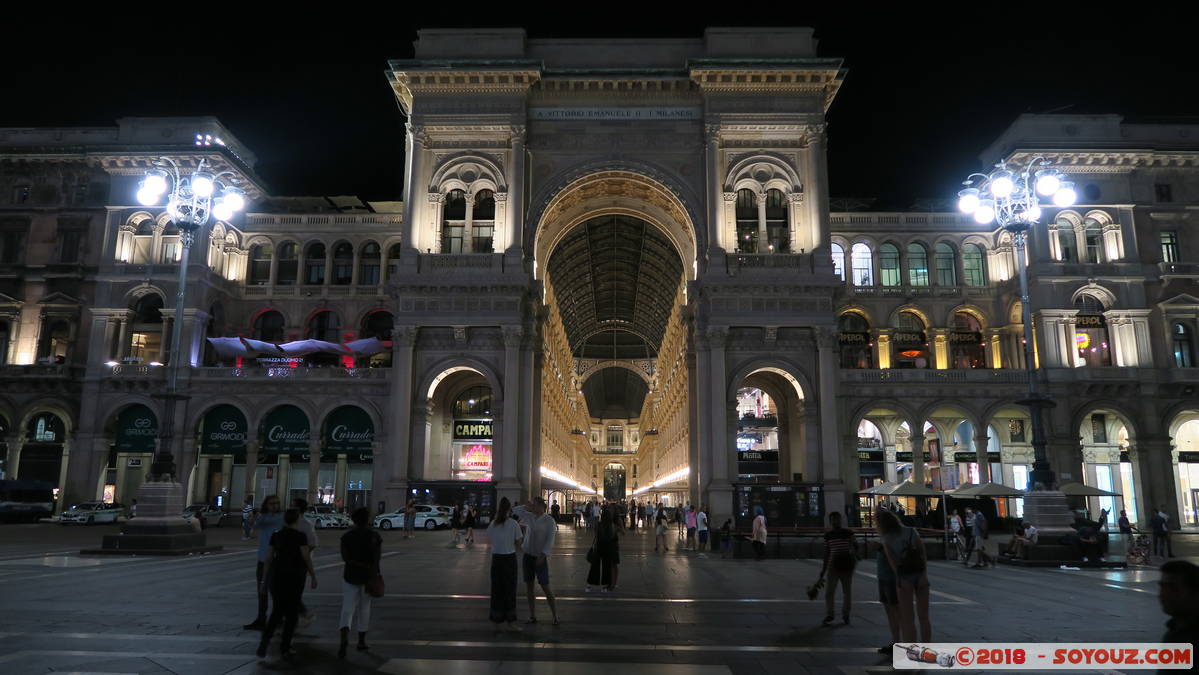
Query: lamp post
190	204
1012	198
191	201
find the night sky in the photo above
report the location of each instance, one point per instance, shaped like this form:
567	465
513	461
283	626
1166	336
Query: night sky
925	93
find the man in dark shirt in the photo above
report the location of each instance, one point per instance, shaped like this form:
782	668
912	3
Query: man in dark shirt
1178	591
839	560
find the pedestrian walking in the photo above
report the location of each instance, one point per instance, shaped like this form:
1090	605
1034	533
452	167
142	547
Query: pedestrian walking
540	530
604	555
759	533
968	532
1127	532
905	550
289	561
982	532
304	525
955	528
701	526
692	523
660	529
455	526
680	520
641	514
468	524
633	516
1178	592
247	518
840	559
362	552
410	519
888	591
268	522
504	534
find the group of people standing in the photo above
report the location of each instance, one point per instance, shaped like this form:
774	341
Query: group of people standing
285	544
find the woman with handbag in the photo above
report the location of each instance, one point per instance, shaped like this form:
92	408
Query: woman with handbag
361	550
505	535
904	550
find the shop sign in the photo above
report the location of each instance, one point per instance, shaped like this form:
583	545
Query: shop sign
137	427
1090	321
854	338
45	428
972	458
758	456
901	456
286	431
964	338
472	430
225	431
349	429
475	457
1187	457
871	456
907	338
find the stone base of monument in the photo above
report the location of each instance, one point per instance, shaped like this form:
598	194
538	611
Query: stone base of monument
1050	513
158	528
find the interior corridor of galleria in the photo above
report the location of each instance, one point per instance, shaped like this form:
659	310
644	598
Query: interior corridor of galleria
613	273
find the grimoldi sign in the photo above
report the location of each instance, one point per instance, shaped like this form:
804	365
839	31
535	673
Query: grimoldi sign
472	430
628	113
225	431
137	427
285	431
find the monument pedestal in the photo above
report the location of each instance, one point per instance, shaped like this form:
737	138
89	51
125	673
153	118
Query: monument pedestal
158	528
1050	513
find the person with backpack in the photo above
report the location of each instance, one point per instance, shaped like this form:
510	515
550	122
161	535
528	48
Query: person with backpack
726	539
981	534
905	555
840	560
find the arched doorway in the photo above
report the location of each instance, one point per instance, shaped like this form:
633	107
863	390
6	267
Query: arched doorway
347	457
134	431
42	451
221	461
284	440
1107	463
614	481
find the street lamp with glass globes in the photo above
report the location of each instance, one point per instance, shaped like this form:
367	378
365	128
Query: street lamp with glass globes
192	200
1012	198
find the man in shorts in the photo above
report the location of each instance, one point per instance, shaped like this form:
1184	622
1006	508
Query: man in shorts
539	543
701	523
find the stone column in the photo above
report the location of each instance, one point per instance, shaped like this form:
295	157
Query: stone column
815	177
399	433
340	478
720	454
251	485
186	461
411	234
714	188
227	483
940	348
468	241
314	470
166	336
123	338
980	455
283	480
1158	488
199	486
763	235
509	482
13	441
917	442
836	491
514	236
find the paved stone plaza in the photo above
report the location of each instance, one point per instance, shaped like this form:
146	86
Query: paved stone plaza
672	614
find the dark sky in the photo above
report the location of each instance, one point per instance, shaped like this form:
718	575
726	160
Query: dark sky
925	93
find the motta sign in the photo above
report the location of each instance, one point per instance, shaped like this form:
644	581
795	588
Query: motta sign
469	430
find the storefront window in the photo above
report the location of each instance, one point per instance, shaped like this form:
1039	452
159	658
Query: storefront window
909	346
888	264
1090	333
862	262
967	348
855	342
757	436
472	435
917	264
838	255
1184	355
747	221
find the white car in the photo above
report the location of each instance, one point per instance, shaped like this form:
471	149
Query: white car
90	513
322	521
427	517
212	516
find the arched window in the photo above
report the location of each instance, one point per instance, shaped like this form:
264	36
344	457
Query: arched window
967	348
888	265
862	264
368	264
268	327
314	264
393	260
917	265
289	264
55	344
343	264
1067	244
453	221
1091	341
972	265
747	221
855	341
909	344
145	335
482	220
170	252
838	256
324	326
1184	354
378	325
1093	235
475	403
776	222
260	264
946	264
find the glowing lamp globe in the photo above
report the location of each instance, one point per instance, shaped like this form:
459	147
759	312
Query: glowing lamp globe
222	211
1032	215
1002	185
147	197
1065	196
155	182
202	185
968	200
984	214
235	199
1048	184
